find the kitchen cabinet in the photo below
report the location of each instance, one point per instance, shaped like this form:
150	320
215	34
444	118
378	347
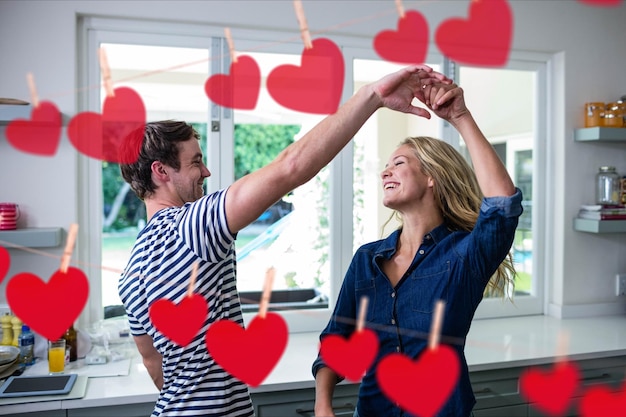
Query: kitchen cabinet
512	411
126	410
300	403
608	371
600	135
496	390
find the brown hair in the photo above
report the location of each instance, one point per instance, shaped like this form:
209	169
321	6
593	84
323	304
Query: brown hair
160	143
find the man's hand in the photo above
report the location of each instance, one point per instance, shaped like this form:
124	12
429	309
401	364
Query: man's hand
396	91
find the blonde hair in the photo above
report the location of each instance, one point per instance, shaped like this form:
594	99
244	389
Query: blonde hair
458	196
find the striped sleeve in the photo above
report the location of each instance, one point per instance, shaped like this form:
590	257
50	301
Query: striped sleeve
204	228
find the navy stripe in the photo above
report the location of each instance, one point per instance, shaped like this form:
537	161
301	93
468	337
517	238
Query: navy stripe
160	268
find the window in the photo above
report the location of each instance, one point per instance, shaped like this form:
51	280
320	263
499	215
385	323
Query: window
167	79
312	232
506	105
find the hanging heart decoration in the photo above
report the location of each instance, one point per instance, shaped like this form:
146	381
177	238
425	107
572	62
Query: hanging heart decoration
115	135
5	262
238	90
420	386
601	401
482	39
550	390
39	135
352	357
248	354
407	45
179	322
46	307
313	87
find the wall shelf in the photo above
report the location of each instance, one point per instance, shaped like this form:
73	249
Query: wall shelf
600	134
32	237
9	112
600	226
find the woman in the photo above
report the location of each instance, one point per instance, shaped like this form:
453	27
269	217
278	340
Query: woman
457	228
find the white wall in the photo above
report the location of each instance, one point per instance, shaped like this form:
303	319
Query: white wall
587	45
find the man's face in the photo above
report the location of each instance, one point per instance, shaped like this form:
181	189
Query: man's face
189	179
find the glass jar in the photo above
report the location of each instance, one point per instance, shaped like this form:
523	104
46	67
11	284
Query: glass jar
593	113
617	108
611	119
613	115
607	186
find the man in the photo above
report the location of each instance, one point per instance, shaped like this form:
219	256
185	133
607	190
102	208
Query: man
185	227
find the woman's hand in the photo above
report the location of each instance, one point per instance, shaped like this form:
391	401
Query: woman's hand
396	91
444	100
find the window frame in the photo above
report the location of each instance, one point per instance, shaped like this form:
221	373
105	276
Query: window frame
95	30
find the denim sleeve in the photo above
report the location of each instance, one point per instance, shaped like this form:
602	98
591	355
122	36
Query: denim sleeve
344	315
492	237
509	206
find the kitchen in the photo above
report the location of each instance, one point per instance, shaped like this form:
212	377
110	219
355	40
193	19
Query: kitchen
582	45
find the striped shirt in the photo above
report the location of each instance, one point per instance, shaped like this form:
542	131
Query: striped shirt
160	268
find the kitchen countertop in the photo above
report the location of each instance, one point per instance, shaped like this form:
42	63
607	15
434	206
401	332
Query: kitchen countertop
491	344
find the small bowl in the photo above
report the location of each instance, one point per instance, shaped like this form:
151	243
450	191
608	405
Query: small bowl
8	354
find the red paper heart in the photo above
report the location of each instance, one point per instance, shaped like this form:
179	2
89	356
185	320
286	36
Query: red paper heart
41	134
350	358
313	87
5	262
248	354
48	308
550	390
116	134
406	45
179	322
483	39
602	3
602	401
240	89
420	386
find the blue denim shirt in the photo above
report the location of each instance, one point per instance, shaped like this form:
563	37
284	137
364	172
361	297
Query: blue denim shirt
454	266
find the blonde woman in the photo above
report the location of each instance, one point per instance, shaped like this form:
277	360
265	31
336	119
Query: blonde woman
457	228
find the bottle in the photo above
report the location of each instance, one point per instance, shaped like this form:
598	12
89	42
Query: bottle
16	324
26	343
71	339
607	186
7	332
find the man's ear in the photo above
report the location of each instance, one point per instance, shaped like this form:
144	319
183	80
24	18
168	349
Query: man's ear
159	172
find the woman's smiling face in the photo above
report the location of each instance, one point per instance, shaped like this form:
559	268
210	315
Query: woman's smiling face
403	180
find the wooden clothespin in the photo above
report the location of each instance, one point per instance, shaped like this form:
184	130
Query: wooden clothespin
34	98
69	247
400	8
192	283
562	346
435	327
360	323
304	29
231	45
267	291
106	72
